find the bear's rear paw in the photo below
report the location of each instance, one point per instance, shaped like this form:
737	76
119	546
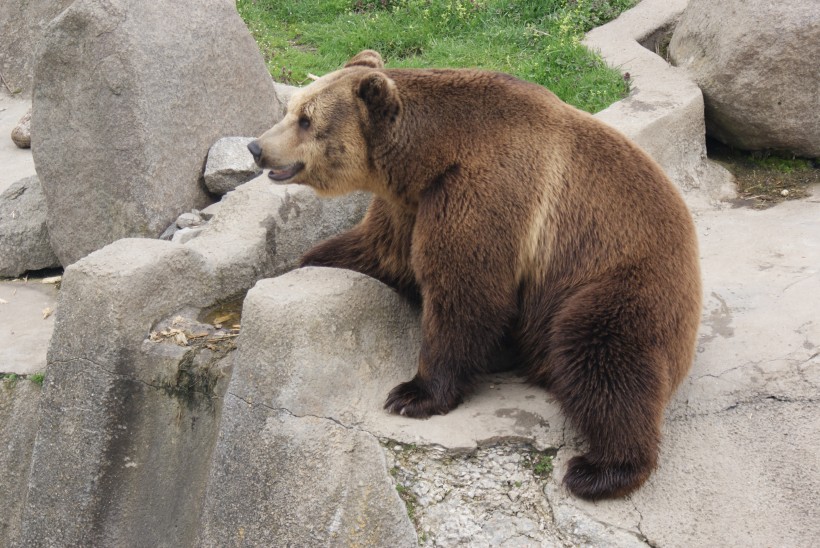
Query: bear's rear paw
414	399
593	482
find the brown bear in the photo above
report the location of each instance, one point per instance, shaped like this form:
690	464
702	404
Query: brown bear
513	217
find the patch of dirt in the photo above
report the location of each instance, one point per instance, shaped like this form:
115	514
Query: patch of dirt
765	179
658	41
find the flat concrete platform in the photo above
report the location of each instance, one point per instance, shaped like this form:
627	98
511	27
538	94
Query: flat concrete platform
26	322
24	333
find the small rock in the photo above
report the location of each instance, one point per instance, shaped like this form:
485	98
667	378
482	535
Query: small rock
189	220
784	192
169	232
229	165
21	134
421	489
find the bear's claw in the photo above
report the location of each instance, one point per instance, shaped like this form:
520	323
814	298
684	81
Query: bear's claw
413	399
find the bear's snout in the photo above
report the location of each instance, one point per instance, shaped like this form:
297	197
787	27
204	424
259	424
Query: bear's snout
256	151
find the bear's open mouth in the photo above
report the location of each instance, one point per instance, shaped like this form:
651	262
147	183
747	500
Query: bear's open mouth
283	173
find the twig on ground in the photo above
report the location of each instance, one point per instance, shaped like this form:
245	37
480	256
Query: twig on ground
5	84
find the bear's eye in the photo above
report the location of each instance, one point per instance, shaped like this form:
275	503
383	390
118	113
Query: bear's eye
304	122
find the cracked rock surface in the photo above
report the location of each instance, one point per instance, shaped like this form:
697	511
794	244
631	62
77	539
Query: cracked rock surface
492	496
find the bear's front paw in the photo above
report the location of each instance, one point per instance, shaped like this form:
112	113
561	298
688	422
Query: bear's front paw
415	399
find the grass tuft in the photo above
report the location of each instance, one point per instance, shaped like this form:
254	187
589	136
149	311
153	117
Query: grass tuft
536	40
10	380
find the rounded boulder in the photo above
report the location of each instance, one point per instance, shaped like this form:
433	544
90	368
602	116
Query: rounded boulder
755	62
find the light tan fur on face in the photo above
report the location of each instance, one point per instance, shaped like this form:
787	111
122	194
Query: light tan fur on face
332	149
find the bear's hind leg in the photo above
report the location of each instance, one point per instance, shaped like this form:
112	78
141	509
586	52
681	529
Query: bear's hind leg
612	382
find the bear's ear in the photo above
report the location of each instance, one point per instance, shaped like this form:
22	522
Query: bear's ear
380	95
366	58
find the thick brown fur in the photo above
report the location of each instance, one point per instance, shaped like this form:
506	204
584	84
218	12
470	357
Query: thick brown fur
514	217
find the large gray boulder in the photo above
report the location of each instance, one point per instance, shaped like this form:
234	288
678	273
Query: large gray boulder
755	61
106	471
24	242
129	96
22	25
294	464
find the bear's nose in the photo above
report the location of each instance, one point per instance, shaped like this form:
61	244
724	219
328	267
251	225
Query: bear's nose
256	150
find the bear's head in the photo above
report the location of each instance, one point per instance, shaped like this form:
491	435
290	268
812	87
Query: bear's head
328	134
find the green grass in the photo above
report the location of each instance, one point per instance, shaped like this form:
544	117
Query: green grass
409	501
536	40
543	466
10	379
781	164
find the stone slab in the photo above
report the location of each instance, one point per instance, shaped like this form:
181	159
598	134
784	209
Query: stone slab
282	480
119	144
112	407
24	332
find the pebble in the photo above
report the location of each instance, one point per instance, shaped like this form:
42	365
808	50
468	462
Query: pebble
169	232
189	220
21	134
189	225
